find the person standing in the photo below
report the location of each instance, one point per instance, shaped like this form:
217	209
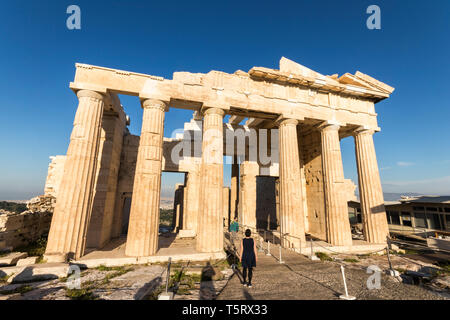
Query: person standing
234	228
248	258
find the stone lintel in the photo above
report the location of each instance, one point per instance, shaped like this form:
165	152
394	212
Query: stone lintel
235	119
77	86
222	90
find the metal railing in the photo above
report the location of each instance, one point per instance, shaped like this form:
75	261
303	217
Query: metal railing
168	274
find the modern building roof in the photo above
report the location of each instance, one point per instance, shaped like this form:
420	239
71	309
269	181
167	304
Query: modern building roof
426	199
416	199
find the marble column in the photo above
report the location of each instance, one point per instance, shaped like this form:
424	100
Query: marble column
100	223
142	239
73	209
249	171
192	201
226	207
234	196
336	207
210	225
291	198
374	221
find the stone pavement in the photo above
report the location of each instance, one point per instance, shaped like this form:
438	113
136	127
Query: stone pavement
302	279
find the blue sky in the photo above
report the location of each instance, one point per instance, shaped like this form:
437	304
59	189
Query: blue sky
410	53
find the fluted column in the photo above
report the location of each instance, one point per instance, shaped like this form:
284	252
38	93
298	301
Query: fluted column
249	171
142	239
100	223
336	207
234	196
374	221
210	229
291	203
192	201
72	212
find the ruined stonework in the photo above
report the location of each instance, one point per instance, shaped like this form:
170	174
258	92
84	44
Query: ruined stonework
19	229
109	183
54	175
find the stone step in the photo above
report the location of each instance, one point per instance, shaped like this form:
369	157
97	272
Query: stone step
35	272
27	261
11	259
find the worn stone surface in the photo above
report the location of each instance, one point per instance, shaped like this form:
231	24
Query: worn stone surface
19	229
69	224
11	259
291	193
336	208
144	214
26	261
375	225
125	283
210	223
40	272
134	285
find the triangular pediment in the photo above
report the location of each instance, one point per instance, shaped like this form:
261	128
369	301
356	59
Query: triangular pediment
293	67
359	79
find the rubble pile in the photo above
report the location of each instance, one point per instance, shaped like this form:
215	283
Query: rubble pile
44	203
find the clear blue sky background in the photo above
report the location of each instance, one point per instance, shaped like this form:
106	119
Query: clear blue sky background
410	52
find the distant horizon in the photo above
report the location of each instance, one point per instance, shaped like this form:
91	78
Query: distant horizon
166	194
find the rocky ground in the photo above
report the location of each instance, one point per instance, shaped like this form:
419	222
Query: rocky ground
135	282
297	278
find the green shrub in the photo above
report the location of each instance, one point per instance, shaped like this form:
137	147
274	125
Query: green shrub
36	248
323	256
13	206
21	290
80	294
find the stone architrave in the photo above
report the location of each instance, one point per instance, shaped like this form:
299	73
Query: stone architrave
142	239
73	208
210	230
374	221
336	207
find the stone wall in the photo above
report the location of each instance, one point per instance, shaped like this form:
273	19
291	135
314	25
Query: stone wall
125	181
18	229
312	160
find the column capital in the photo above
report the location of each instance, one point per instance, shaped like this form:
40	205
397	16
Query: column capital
154	103
90	94
79	86
212	110
282	120
329	125
365	130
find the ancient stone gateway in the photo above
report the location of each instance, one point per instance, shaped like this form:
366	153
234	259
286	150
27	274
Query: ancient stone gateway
111	180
